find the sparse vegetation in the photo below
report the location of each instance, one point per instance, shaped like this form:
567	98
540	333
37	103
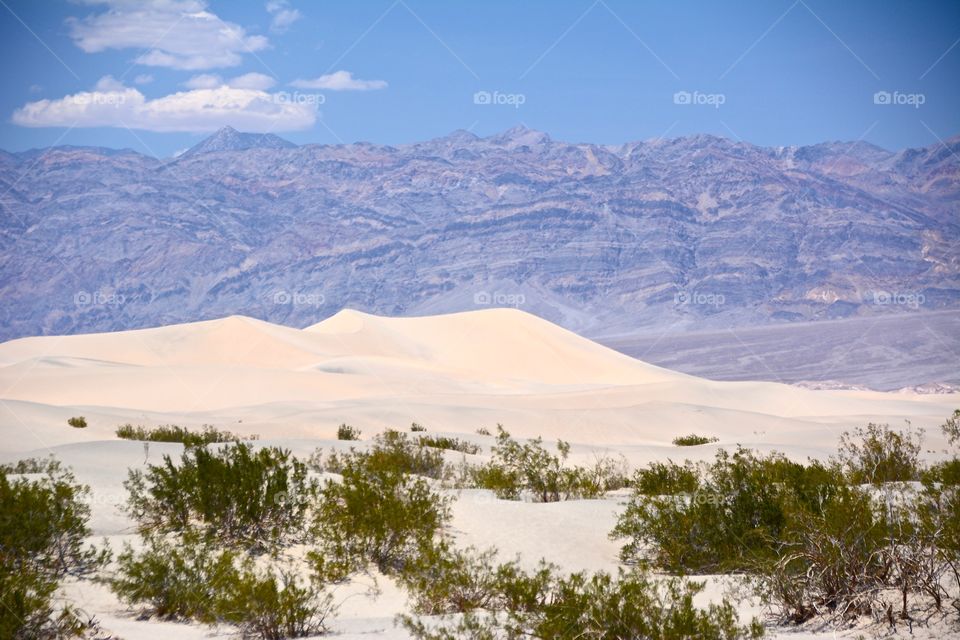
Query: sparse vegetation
43	523
77	422
416	428
175	433
693	440
451	444
529	470
877	454
256	499
346	432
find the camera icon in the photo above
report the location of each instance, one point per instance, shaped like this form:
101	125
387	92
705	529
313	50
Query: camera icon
882	97
481	298
482	97
681	297
882	297
82	298
682	97
282	297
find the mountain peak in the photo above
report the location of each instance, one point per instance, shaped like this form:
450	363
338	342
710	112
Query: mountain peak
229	139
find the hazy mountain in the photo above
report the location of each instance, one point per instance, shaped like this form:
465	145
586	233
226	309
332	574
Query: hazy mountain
229	139
695	232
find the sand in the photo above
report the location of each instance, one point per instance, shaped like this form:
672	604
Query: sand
452	373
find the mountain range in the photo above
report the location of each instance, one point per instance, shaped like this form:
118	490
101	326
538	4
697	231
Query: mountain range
697	232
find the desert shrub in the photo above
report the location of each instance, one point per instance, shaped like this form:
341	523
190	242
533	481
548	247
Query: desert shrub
175	433
416	428
666	479
346	432
277	604
77	422
178	577
190	577
377	512
518	470
442	579
693	440
732	516
876	454
450	444
43	523
253	498
582	605
483	431
951	428
393	450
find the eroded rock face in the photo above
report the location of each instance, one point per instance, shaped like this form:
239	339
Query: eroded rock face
688	232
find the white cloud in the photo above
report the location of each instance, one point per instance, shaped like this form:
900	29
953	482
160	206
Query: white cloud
254	80
204	81
283	15
143	78
180	34
258	81
340	81
113	105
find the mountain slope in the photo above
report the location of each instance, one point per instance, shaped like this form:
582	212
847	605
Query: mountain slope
229	139
697	232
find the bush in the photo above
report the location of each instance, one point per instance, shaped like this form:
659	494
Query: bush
43	523
450	444
376	513
417	427
190	578
483	431
257	499
666	479
174	433
397	451
346	432
77	422
877	454
734	515
519	470
544	605
693	440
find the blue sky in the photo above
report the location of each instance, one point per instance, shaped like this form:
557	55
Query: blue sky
157	76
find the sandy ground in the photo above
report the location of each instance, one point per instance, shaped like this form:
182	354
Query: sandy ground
452	373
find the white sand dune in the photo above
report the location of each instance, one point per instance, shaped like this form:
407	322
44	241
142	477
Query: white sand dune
454	372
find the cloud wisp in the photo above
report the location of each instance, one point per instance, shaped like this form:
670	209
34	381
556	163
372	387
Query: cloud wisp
340	81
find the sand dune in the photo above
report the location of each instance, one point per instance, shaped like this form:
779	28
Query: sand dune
454	372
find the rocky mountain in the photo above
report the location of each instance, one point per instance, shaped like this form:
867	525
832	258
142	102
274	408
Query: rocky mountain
229	139
694	232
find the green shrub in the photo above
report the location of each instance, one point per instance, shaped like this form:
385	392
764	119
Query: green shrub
378	512
483	431
394	450
275	605
77	422
876	454
189	577
253	498
175	433
346	432
518	470
417	427
735	514
666	479
693	440
544	605
43	523
450	444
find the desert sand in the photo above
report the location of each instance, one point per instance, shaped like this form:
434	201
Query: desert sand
453	374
